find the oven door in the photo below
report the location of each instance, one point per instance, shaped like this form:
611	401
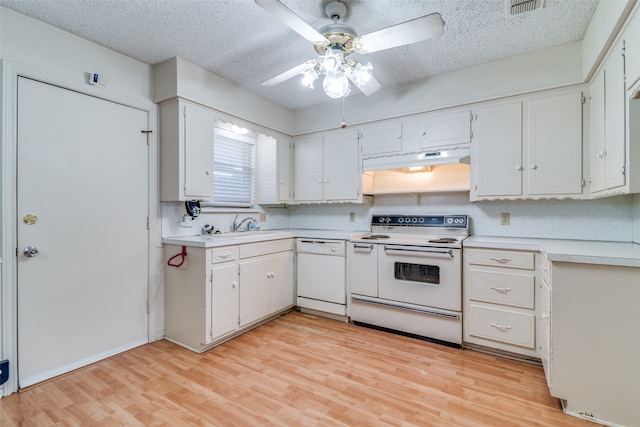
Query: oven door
420	275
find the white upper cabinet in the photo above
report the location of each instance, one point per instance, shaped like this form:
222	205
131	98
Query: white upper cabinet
186	151
554	141
446	128
632	50
273	170
326	168
496	154
436	130
608	128
308	169
381	138
529	149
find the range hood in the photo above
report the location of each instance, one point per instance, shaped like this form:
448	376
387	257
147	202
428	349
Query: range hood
431	158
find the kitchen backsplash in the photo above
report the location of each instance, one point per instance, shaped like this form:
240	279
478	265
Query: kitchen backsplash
612	218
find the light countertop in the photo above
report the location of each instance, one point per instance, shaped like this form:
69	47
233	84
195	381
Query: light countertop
579	251
625	254
215	240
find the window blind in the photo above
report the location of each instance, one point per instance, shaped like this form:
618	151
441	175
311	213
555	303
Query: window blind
233	169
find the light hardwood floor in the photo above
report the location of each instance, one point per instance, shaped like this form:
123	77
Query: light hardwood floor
298	370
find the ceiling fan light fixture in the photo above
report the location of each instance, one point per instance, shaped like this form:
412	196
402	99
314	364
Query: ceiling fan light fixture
362	73
309	77
336	85
331	61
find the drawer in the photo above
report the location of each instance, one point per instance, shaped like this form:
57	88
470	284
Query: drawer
507	288
224	254
508	259
263	248
501	325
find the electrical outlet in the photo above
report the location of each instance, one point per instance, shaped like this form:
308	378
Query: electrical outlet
263	216
505	218
352	217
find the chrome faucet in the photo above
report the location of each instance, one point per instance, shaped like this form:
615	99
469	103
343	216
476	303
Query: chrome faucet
236	225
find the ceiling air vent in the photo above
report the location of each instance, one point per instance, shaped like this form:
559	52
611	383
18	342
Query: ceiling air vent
522	6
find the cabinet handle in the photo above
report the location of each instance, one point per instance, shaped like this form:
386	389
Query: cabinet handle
534	167
234	285
500	260
223	256
501	290
519	167
501	327
207	172
545	316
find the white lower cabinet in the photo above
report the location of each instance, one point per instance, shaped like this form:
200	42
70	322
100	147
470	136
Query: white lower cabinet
499	300
221	292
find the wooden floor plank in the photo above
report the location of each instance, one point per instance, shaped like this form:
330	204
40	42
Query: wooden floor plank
298	370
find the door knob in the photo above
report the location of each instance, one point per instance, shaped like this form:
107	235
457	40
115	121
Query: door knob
30	251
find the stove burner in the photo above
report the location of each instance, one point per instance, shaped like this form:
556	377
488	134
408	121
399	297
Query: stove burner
376	236
444	240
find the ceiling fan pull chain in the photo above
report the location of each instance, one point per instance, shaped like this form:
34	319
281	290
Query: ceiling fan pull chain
344	123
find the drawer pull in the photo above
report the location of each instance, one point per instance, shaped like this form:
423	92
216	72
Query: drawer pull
501	327
500	260
223	256
501	290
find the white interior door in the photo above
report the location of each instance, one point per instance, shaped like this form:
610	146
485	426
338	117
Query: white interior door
83	172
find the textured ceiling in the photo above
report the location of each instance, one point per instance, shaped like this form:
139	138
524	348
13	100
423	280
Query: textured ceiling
241	42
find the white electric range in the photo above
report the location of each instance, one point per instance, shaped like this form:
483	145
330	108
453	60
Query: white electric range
406	276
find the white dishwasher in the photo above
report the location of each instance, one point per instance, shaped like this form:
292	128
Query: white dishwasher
321	275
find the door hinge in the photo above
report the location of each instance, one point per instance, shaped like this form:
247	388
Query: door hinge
211	333
148	306
583	182
624	169
147	132
582	99
148	223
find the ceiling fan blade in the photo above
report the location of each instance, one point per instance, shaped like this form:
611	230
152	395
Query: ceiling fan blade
416	30
290	73
293	21
368	88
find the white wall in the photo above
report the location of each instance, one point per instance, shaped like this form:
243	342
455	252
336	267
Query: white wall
53	55
559	66
602	219
178	77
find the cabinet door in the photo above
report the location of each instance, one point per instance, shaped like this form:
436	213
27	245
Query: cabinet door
254	289
362	261
497	157
596	152
614	120
198	146
272	170
447	128
341	171
554	138
308	169
224	299
632	50
284	171
282	281
382	138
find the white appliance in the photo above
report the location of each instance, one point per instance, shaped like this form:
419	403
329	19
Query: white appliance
406	276
321	276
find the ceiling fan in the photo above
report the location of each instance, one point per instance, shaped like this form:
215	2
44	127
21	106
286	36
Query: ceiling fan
336	41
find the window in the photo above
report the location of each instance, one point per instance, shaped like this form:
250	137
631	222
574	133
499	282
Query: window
233	169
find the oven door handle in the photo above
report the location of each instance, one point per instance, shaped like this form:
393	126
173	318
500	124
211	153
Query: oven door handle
417	252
